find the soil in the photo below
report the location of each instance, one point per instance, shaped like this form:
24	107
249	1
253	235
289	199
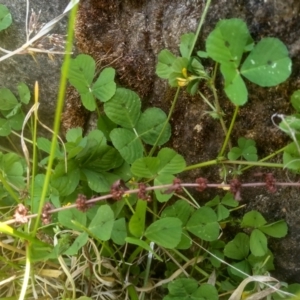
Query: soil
129	34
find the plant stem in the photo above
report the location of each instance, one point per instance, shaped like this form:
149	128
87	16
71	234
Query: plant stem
26	274
232	162
227	138
201	165
267	157
59	107
34	140
178	89
203	16
253	163
147	271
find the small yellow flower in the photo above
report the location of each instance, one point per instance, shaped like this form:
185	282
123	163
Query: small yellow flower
184	73
186	79
182	81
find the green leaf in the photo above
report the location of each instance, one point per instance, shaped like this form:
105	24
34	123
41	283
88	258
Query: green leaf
102	224
74	149
182	287
16	121
8	114
5	129
74	134
206	292
203	223
124	108
105	159
234	87
7	99
180	209
229	200
146	167
119	232
129	146
65	218
258	243
170	161
164	65
65	183
291	126
238	248
45	145
137	221
262	263
150	124
277	229
88	100
178	65
214	261
143	245
226	43
185	242
105	87
186	43
5	17
163	179
106	125
268	64
243	266
96	181
293	288
192	87
222	212
247	149
81	72
295	100
253	219
165	232
12	169
123	171
291	157
214	202
235	153
202	54
24	92
79	242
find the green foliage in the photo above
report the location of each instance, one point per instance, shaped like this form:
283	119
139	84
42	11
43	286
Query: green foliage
203	223
117	152
5	17
291	126
266	65
81	75
166	232
188	288
12	170
220	205
161	168
10	109
246	149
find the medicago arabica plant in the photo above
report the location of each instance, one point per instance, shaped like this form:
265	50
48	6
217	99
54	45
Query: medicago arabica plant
116	210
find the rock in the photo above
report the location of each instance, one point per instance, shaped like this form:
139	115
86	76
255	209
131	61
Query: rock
25	68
